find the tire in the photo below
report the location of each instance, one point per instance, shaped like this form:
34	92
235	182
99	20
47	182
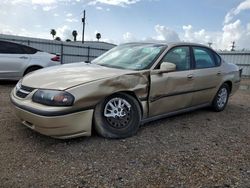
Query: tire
31	69
221	98
127	117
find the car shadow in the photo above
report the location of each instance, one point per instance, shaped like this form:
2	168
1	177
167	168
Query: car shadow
177	116
8	82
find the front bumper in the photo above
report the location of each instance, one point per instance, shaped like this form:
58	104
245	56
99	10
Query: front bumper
60	126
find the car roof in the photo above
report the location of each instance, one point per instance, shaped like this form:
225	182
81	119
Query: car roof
20	44
169	44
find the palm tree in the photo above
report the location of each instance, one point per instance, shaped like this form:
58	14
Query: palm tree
74	33
58	38
98	36
53	33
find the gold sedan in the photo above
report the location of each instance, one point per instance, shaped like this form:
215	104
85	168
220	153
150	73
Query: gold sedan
125	87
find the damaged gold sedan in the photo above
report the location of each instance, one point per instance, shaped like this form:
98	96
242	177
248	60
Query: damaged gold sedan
127	86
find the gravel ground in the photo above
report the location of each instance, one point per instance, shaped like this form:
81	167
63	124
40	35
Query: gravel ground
197	149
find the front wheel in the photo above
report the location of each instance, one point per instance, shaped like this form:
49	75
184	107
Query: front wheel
221	98
118	116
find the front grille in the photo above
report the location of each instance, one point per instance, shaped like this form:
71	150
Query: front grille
26	88
24	91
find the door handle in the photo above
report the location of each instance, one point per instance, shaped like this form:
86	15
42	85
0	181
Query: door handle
219	73
23	57
190	76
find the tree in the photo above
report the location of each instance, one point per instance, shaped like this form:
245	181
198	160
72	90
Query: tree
58	38
74	33
53	33
98	36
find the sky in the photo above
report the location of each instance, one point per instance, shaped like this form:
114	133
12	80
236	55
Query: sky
217	21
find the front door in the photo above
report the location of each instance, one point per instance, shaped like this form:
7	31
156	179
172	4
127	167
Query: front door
172	91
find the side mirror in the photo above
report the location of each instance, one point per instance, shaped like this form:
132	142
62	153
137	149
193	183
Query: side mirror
166	67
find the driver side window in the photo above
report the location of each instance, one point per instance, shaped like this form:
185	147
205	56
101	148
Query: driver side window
180	56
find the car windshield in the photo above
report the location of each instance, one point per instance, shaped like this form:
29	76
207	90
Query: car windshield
130	56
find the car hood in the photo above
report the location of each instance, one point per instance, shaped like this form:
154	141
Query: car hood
66	76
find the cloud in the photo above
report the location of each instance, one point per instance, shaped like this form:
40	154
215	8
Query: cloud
229	16
231	32
200	36
166	34
49	8
102	9
238	33
248	29
6	29
14	2
234	31
64	32
71	20
12	30
99	8
235	11
242	6
42	2
129	37
121	3
69	14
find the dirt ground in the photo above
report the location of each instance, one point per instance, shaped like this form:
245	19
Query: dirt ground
197	149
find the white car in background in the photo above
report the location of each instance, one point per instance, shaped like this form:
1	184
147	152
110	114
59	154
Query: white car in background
17	60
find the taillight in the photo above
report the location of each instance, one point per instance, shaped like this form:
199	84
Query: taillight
56	58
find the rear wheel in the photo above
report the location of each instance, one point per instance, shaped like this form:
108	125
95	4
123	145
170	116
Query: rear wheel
118	116
31	69
221	98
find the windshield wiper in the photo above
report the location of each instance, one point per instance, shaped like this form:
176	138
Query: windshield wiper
111	66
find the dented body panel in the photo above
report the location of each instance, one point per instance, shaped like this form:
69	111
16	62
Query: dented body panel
90	94
168	88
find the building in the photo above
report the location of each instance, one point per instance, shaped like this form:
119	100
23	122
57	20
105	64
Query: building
240	58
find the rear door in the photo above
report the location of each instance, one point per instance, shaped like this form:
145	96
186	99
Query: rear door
172	91
13	60
207	75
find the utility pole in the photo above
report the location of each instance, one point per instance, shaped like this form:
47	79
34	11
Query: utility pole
210	44
233	46
83	25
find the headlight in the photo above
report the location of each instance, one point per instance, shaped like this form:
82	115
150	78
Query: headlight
18	85
53	97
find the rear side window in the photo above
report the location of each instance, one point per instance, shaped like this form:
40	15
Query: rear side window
29	50
217	59
204	58
10	48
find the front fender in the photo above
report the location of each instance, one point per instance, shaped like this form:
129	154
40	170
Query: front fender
90	94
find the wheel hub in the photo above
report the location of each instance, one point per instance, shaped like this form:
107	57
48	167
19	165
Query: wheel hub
117	112
222	97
